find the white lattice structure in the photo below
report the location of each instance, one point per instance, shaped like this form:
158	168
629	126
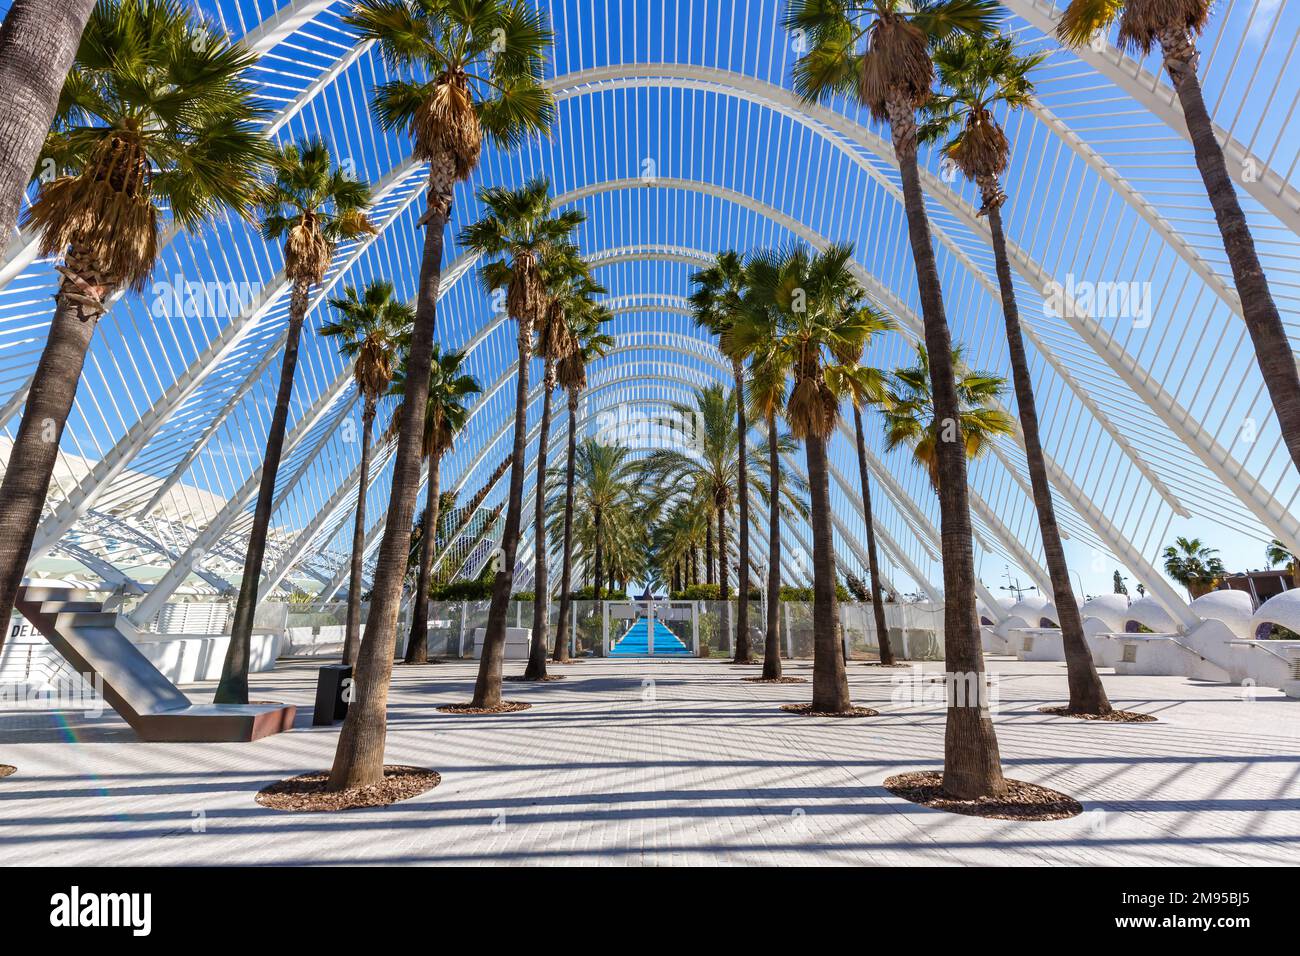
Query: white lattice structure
678	135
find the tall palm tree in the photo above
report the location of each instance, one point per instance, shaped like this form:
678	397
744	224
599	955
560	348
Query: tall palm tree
313	206
38	40
144	124
878	51
820	332
977	74
1194	565
607	489
589	344
449	387
912	416
474	69
370	327
717	301
519	230
569	289
877	322
1174	26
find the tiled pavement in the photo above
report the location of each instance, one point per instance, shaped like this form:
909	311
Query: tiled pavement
673	762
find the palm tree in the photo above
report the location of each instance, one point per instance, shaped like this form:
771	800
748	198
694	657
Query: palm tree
717	301
144	123
1194	566
444	417
475	69
569	291
820	332
1174	26
877	322
38	40
520	230
370	326
978	74
878	51
312	205
912	417
1277	554
607	495
589	344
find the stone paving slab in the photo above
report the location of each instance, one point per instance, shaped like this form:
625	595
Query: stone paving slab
642	762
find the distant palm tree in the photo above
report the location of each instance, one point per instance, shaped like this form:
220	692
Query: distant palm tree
468	70
819	335
126	150
569	290
1174	26
589	344
449	387
878	322
1194	566
1277	554
717	301
878	52
607	491
520	229
313	206
912	419
37	43
370	327
979	74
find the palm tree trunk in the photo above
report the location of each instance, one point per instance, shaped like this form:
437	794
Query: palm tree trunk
352	632
772	638
233	686
1273	349
597	567
972	765
38	41
830	683
877	605
536	669
561	653
359	757
724	591
417	646
487	688
708	552
36	446
1087	696
743	655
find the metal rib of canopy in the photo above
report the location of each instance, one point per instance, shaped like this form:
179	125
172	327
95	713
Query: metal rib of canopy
678	135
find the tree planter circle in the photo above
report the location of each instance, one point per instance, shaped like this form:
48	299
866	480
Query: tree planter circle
1114	717
307	792
505	707
7	770
805	710
775	680
521	679
1018	801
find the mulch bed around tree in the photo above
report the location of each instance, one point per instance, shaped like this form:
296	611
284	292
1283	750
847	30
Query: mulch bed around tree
888	667
775	680
7	770
1114	717
505	707
306	793
1019	801
431	660
805	710
521	679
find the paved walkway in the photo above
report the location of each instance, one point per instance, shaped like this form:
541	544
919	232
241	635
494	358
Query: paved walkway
673	762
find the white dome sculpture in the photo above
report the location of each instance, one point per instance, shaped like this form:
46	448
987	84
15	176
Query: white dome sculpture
1233	608
1150	613
1110	609
1283	610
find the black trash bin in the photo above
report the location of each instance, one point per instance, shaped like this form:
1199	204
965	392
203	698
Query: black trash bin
333	688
